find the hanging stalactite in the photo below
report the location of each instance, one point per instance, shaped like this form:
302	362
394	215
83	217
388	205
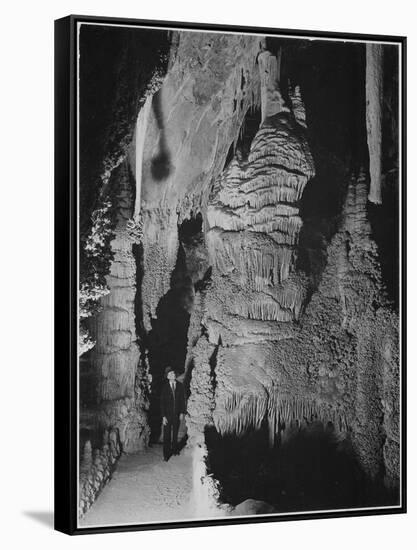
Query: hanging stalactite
241	412
374	107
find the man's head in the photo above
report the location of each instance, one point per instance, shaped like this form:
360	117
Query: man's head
170	374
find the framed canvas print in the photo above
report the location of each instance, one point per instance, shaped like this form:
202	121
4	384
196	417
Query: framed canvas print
230	288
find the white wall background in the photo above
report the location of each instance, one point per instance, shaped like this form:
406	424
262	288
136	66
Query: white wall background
26	287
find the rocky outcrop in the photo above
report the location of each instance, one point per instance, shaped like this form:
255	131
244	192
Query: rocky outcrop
96	469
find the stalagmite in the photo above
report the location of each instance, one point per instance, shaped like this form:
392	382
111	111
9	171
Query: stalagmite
140	133
374	112
298	106
271	98
253	228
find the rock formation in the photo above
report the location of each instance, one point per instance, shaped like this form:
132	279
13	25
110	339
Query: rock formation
121	384
255	295
374	109
96	468
196	116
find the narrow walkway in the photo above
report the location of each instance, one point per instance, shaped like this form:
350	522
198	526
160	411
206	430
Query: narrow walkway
145	489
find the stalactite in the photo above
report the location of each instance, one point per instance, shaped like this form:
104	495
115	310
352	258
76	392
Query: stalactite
240	412
140	134
265	311
374	106
272	102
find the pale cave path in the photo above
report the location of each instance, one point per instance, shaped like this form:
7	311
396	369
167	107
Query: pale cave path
144	489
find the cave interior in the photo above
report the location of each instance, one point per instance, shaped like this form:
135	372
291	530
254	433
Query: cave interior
172	319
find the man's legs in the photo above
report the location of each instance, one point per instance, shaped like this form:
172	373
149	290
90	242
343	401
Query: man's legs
175	428
167	440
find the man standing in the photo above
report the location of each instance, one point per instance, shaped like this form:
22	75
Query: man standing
172	411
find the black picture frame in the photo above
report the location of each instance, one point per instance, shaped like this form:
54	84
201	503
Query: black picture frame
66	266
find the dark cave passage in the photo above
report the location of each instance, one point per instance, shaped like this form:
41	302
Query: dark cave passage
247	132
336	113
384	218
335	102
167	341
309	470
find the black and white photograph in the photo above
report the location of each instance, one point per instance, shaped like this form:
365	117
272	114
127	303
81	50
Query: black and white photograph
208	275
239	279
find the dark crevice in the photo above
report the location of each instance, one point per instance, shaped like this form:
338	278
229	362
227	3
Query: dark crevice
310	470
335	104
137	251
190	228
204	283
168	339
384	218
213	363
247	132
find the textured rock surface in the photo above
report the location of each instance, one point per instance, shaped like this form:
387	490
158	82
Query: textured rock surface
255	295
196	116
120	377
96	469
259	356
115	79
338	365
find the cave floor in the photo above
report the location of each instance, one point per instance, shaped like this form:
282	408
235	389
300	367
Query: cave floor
145	489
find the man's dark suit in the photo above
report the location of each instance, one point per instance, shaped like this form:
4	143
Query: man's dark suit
172	405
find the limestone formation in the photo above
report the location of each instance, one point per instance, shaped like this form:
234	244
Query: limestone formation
253	229
96	470
119	375
196	116
374	113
